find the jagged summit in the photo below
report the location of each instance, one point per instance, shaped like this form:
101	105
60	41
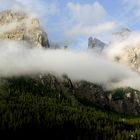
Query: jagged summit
130	53
123	31
20	26
122	34
95	44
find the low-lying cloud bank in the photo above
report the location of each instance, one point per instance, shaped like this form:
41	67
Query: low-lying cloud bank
16	58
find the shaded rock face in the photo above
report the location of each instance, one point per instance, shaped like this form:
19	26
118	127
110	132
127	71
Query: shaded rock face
17	25
122	34
95	44
126	101
121	100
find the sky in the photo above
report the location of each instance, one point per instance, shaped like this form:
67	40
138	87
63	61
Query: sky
72	22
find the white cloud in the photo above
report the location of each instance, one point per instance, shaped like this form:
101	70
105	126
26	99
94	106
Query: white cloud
133	6
87	13
91	30
38	8
132	2
88	19
77	65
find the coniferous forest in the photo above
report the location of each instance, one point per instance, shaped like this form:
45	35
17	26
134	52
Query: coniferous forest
46	106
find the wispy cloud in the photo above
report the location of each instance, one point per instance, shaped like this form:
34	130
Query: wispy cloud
131	11
45	10
77	65
91	30
87	14
17	59
88	19
38	8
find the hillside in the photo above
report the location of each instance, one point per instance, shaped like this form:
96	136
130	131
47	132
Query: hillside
47	105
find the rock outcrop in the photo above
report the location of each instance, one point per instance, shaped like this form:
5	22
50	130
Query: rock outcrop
125	32
19	26
131	58
128	51
125	100
122	100
95	44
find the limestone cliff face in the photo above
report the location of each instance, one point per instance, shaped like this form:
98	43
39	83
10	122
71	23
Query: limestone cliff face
19	26
130	53
131	58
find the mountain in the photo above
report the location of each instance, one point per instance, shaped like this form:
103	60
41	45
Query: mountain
130	57
121	100
19	26
57	107
95	44
125	32
130	53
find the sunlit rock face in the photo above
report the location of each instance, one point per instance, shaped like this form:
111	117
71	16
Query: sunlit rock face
19	26
130	57
126	49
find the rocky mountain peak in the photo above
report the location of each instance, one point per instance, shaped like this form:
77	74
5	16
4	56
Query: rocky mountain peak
130	53
95	44
17	25
122	34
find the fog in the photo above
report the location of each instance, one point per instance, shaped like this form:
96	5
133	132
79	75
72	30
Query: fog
17	58
118	45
